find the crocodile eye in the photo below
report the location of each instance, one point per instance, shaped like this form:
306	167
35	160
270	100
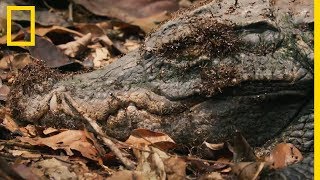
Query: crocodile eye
260	35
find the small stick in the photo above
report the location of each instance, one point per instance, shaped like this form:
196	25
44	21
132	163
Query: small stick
98	130
70	16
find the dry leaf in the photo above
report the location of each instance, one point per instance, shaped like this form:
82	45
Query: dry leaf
67	140
25	154
31	129
127	175
141	137
212	176
25	172
150	162
46	51
4	92
248	170
43	17
49	131
214	147
131	45
284	154
17	61
175	168
156	164
53	169
74	48
241	149
7	121
141	12
43	31
94	29
100	57
149	23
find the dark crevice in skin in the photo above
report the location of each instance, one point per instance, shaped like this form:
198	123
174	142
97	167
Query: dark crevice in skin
308	100
257	27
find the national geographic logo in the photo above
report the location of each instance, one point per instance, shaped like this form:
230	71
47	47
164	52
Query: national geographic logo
6	27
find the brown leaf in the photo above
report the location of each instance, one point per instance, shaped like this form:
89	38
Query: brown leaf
94	29
53	169
284	154
149	23
7	121
211	176
142	137
25	172
150	162
131	11
44	18
24	153
67	140
175	168
50	130
17	61
248	170
46	51
127	175
4	92
73	48
241	149
43	31
101	57
214	147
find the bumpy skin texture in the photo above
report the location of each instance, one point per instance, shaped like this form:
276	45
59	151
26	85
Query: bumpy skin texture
219	68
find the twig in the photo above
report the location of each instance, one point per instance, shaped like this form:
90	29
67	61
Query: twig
98	130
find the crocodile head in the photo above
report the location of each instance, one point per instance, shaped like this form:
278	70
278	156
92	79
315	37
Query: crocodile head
219	68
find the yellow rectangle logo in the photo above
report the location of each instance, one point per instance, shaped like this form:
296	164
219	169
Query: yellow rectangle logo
32	25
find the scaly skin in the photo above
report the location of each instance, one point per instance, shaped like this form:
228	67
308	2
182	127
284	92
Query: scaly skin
200	76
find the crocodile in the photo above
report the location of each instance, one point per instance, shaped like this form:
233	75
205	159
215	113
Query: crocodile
223	66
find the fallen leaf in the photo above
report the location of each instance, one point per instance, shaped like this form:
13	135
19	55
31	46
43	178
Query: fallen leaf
46	51
284	154
147	24
31	129
7	121
141	137
50	130
94	29
127	175
212	176
23	153
53	169
175	168
131	45
67	140
4	92
150	162
3	18
55	31
214	147
16	61
74	48
100	57
139	12
43	31
25	172
43	17
248	170
156	164
241	149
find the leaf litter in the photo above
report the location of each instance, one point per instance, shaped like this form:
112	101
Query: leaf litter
96	37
